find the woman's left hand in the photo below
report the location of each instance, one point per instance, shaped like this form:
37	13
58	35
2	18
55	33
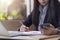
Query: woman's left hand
49	30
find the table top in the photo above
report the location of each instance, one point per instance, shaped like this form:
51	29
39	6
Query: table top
36	37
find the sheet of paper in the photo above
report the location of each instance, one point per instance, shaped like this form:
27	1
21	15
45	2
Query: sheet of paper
24	33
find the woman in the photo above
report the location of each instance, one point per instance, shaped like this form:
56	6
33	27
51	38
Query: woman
43	12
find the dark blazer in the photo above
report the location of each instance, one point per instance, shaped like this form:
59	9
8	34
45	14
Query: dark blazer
58	14
50	17
35	20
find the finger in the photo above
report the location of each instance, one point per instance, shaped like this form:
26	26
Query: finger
22	29
26	28
51	26
46	28
44	31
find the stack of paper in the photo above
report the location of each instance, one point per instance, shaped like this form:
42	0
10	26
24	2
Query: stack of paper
16	33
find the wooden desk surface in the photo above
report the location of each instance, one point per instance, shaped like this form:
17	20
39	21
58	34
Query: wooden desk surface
37	37
56	38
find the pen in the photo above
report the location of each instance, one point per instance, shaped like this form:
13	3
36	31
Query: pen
19	27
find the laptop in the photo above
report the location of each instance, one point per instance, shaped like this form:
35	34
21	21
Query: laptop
5	32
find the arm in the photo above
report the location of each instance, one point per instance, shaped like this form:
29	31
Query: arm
28	21
25	26
58	22
58	19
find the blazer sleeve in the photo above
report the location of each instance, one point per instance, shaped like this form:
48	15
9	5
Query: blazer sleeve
28	21
58	18
57	15
58	23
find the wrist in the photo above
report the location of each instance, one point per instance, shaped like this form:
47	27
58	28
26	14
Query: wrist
58	32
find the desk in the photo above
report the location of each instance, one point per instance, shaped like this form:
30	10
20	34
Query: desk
37	37
54	38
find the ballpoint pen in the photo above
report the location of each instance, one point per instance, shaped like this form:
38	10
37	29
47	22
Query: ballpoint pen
19	27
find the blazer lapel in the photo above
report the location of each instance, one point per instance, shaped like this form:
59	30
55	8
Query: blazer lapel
37	17
48	16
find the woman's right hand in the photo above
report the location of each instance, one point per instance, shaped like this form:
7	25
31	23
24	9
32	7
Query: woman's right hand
24	28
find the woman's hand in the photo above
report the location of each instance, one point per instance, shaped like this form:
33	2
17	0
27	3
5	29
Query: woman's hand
49	30
24	28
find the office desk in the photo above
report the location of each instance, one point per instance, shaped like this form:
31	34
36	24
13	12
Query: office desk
37	37
53	38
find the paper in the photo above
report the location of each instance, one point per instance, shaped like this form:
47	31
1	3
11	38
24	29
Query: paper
24	33
32	33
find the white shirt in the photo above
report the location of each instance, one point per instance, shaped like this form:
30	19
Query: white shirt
43	12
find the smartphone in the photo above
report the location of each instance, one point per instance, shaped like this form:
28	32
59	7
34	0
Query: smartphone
45	25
